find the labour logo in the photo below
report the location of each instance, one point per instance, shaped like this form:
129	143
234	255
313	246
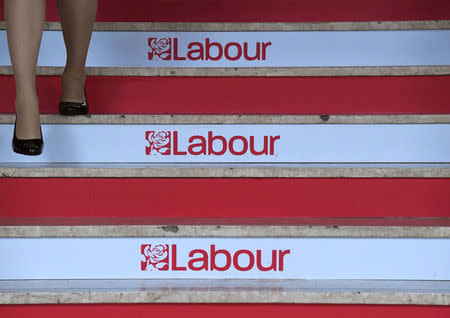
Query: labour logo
156	257
167	49
160	49
159	143
212	144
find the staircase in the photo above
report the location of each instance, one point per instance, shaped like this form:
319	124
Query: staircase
240	158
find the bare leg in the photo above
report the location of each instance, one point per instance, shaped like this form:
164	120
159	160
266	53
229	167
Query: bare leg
77	20
24	24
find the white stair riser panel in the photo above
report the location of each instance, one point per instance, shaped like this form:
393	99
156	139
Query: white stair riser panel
294	258
405	143
276	49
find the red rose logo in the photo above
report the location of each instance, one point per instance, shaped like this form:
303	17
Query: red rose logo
156	257
159	143
159	49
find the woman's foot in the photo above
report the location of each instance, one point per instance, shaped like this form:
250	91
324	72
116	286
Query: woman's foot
27	138
73	97
28	147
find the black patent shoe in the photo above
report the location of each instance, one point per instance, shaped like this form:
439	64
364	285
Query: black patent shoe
28	147
74	108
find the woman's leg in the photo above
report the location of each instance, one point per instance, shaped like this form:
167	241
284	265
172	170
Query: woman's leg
77	20
24	25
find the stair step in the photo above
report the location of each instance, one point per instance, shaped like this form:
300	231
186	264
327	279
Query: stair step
229	291
273	142
251	95
266	10
255	53
358	261
222	257
253	198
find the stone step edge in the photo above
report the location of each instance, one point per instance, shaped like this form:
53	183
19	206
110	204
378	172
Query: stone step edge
222	172
330	222
239	119
377	298
238	231
250	71
224	291
260	26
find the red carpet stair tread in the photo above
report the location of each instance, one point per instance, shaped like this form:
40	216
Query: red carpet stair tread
265	10
286	95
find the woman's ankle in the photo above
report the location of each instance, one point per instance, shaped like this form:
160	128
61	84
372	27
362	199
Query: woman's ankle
28	124
74	74
27	104
73	86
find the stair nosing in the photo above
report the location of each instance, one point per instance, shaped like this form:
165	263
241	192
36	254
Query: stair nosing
237	231
260	26
153	290
421	70
238	119
235	296
221	172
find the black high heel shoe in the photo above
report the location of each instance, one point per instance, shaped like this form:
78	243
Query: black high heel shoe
28	147
74	108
